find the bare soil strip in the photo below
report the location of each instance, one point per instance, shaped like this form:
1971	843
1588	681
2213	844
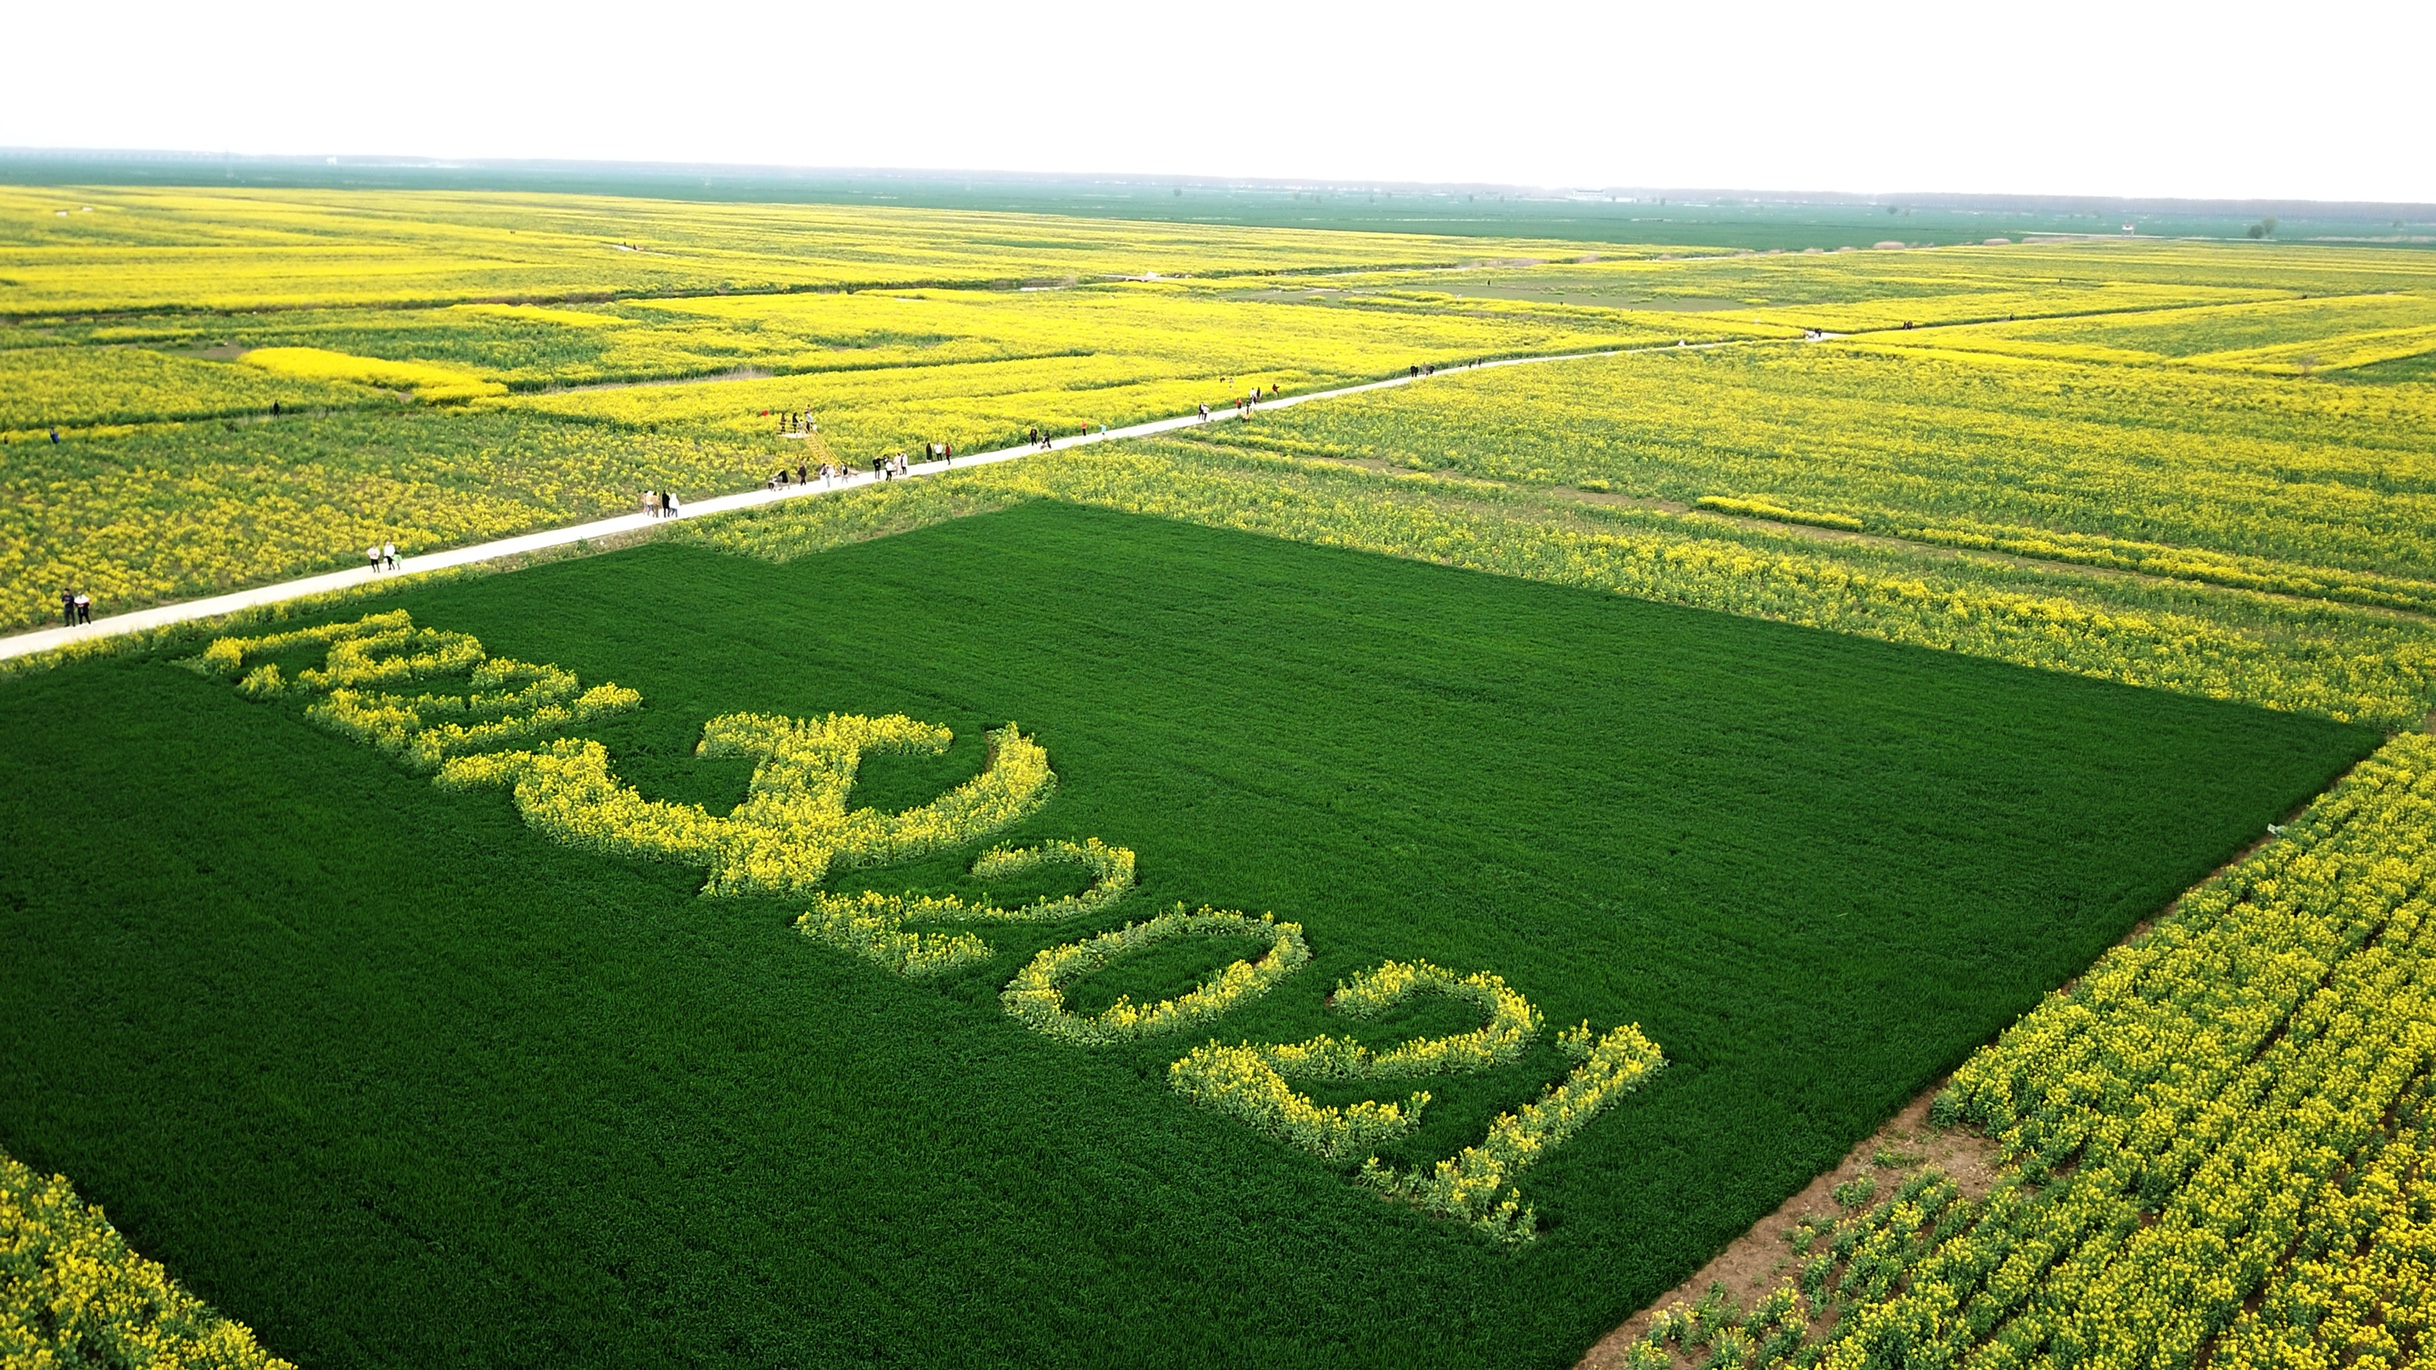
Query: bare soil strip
1762	1258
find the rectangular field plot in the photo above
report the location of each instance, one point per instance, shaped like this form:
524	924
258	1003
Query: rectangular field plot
399	1079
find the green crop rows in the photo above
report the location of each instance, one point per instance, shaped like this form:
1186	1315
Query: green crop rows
395	1079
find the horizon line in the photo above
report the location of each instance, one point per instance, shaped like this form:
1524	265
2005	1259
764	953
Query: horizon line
1545	193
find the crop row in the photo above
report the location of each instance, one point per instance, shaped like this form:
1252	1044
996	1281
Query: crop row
2313	490
2215	1140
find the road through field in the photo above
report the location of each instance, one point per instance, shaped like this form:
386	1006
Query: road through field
160	616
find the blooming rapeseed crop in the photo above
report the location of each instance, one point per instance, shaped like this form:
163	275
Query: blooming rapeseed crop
1477	1183
872	924
426	380
794	828
2216	1141
1249	1081
72	1294
420	729
1036	996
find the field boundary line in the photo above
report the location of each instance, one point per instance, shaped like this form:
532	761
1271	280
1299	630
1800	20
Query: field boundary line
624	525
1552	496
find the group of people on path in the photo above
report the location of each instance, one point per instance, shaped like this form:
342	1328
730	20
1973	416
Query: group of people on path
1245	405
75	606
659	504
383	556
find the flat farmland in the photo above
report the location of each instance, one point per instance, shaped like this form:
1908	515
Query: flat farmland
393	1076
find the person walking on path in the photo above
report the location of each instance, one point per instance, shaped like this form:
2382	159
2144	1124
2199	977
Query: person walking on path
372	555
67	608
389	553
1205	413
84	607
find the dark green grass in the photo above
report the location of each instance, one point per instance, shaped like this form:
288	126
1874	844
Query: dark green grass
400	1082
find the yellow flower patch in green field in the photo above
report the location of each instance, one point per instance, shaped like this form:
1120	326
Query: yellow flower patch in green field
429	381
73	1294
794	828
872	924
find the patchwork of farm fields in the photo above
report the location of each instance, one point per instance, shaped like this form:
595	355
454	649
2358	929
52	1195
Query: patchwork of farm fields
323	371
1404	877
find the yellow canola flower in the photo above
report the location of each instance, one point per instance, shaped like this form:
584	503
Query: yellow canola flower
424	730
872	924
87	387
1249	1082
421	729
428	380
1036	996
793	827
227	656
73	1294
1237	1081
1477	1183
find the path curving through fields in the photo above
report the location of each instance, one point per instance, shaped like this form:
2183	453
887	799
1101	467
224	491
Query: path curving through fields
161	616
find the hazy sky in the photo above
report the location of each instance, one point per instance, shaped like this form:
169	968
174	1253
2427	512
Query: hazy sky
2121	98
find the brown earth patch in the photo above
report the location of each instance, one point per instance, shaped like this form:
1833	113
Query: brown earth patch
1762	1258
